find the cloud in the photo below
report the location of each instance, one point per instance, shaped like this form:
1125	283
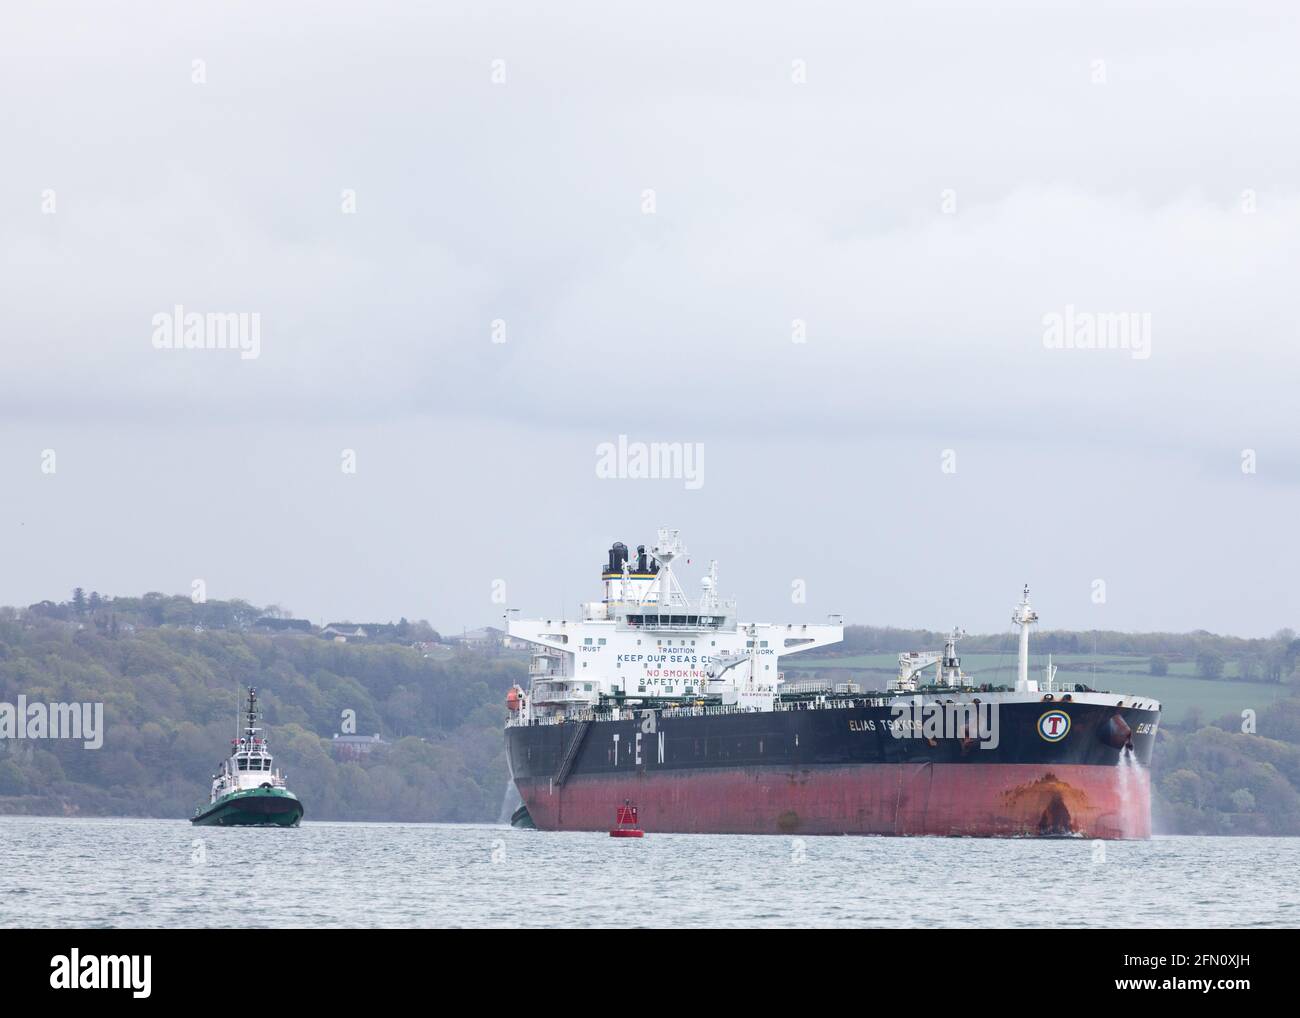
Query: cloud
941	182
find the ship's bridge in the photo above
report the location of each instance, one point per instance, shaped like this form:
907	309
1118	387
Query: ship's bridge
647	639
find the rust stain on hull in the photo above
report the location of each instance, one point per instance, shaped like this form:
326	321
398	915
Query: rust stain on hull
1047	806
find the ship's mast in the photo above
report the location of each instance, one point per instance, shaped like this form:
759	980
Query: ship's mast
709	589
250	718
668	547
1024	616
950	673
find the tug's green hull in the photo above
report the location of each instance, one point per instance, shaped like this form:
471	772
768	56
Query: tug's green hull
255	807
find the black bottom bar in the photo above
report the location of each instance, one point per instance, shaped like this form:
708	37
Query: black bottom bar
330	968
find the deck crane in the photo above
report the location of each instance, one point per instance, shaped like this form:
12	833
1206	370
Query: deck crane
948	666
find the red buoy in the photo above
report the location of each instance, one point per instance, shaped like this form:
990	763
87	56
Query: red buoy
626	821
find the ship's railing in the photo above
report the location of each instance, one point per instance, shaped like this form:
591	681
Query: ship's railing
836	703
703	710
828	702
561	696
678	627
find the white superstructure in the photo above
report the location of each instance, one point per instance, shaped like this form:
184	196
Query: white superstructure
646	640
250	764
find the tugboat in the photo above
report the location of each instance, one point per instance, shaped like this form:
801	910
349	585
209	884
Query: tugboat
247	791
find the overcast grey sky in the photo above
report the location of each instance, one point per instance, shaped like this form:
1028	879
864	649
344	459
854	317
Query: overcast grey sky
920	189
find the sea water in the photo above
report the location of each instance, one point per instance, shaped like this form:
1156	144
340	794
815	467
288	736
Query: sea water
165	873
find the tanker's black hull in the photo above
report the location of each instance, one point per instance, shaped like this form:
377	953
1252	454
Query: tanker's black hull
841	770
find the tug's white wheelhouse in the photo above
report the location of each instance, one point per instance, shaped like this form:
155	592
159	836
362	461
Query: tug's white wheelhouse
250	765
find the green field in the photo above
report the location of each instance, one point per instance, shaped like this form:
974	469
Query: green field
1178	692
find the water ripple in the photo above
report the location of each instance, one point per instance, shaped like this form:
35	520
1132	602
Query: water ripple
157	873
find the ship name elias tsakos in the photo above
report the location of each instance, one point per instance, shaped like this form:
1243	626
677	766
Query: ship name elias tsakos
672	704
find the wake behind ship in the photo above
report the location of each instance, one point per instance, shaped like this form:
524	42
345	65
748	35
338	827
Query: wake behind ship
670	703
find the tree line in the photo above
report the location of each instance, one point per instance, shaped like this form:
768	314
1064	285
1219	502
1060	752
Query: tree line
171	693
171	697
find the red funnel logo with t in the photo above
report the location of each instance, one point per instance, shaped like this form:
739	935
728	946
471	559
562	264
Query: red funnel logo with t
1054	725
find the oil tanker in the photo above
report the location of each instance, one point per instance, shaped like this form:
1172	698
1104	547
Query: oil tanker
670	704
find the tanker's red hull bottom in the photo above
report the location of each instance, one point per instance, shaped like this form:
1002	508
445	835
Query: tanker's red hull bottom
952	800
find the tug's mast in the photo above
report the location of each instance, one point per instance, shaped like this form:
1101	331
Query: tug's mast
250	717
